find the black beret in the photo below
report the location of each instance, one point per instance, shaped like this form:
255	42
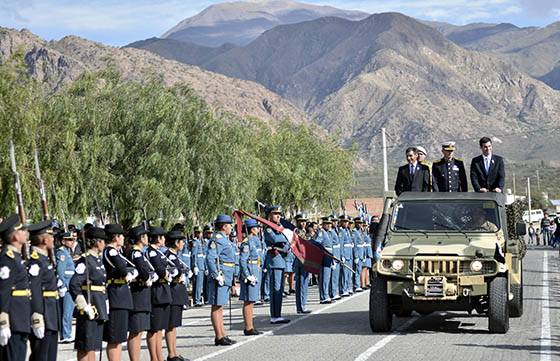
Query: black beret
96	233
112	229
40	228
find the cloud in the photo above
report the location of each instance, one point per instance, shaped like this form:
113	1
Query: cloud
540	8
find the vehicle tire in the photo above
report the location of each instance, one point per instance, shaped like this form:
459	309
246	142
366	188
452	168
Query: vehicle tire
403	313
498	305
516	304
380	316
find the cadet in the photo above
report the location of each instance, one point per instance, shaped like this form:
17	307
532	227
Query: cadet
324	238
174	242
119	274
221	267
368	255
87	288
161	294
139	316
198	262
448	173
44	292
335	267
358	253
277	251
65	270
347	254
289	273
301	275
208	234
249	263
15	303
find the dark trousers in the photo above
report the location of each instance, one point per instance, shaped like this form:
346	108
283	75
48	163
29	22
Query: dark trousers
302	284
16	349
44	349
276	292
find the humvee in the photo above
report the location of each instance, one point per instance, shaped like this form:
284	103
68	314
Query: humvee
447	252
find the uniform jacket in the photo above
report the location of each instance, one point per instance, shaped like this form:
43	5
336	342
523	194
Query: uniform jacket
198	254
250	258
178	286
449	176
14	277
358	244
141	294
221	258
161	294
346	244
419	182
495	177
44	288
336	243
325	239
118	289
90	266
64	265
277	249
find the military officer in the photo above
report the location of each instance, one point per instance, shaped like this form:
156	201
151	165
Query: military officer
139	316
249	263
335	267
347	255
221	267
161	293
175	241
88	290
120	273
368	255
277	250
208	234
358	253
325	239
44	292
301	275
65	270
448	173
198	262
15	302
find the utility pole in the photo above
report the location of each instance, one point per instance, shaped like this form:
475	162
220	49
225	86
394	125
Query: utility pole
529	197
538	181
385	176
514	186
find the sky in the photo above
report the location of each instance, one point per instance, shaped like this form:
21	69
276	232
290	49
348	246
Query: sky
119	22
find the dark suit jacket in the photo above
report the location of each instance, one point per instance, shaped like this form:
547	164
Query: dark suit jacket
496	174
450	177
420	182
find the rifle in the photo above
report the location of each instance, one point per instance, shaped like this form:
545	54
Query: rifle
62	214
332	207
43	194
17	184
113	208
342	207
99	213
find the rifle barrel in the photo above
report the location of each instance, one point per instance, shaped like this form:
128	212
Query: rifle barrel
17	184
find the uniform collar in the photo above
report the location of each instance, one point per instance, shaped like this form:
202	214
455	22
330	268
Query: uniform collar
172	251
41	251
137	247
93	252
13	248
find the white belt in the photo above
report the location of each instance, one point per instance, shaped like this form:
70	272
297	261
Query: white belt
360	245
328	248
337	246
348	245
200	255
69	272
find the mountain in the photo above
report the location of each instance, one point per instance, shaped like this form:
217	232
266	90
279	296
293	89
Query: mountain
58	63
243	21
391	71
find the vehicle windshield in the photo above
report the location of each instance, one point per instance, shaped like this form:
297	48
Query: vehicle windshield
446	216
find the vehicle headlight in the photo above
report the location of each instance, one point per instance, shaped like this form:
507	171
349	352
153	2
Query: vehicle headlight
476	266
397	265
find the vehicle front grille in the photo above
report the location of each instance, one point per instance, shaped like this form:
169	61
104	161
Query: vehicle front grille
451	267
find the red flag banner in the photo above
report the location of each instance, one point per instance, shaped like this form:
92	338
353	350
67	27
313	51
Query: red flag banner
310	255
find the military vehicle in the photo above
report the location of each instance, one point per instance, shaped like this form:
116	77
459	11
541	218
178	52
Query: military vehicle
447	252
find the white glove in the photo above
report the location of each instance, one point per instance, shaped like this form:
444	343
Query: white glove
154	277
196	270
89	311
221	280
206	272
62	292
168	276
148	282
175	272
38	325
190	274
5	332
343	259
333	266
264	270
252	280
130	276
356	260
183	278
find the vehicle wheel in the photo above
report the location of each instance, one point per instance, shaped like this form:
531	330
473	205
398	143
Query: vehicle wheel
498	308
516	304
380	317
403	313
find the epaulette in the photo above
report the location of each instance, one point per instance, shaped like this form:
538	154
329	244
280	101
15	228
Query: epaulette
219	236
34	255
245	240
459	159
10	253
439	161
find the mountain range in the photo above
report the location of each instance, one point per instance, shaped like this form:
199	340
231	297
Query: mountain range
390	70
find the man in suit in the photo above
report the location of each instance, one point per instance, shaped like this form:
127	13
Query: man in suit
487	170
448	173
413	176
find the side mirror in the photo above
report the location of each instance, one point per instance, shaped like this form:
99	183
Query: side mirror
520	229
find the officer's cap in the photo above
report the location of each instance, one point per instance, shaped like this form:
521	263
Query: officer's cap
223	219
156	231
326	220
43	227
208	228
343	218
421	149
273	209
112	229
138	231
448	146
96	233
178	227
358	220
300	217
66	235
175	235
334	218
250	223
9	225
197	229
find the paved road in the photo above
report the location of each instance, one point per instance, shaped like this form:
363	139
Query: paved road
341	331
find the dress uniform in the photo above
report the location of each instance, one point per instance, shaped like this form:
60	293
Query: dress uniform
198	262
358	253
277	250
88	289
220	262
120	273
301	275
347	255
324	238
44	296
249	263
178	284
449	173
139	316
161	293
65	269
368	253
265	289
335	267
15	302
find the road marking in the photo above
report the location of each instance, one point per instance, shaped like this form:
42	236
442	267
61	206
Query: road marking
545	312
384	341
271	332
